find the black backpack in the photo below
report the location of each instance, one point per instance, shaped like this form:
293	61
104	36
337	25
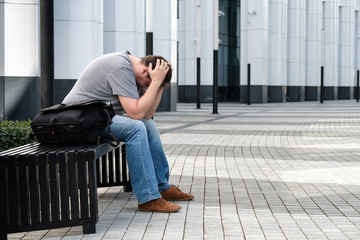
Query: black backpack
75	122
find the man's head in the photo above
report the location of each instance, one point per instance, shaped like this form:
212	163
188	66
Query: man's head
141	70
152	59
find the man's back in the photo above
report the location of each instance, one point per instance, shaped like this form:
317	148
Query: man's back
105	78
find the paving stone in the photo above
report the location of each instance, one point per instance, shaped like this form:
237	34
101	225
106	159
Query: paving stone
264	171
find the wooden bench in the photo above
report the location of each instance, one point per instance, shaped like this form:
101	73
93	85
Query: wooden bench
54	186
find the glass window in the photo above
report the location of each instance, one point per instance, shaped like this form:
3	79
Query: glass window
229	50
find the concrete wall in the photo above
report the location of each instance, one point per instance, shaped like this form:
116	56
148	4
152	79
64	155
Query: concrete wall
19	58
286	42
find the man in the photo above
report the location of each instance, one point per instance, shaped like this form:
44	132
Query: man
135	85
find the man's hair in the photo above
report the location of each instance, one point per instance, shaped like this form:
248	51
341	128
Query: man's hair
152	59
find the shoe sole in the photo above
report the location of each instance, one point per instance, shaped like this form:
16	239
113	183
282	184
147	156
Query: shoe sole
149	210
178	199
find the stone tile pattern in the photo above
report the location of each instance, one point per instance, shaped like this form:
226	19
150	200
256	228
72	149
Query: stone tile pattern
272	171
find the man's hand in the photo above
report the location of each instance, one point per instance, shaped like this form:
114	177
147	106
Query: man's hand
158	74
147	104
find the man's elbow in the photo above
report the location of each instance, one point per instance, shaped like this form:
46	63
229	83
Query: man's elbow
148	117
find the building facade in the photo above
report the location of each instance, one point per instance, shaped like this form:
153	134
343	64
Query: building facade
285	43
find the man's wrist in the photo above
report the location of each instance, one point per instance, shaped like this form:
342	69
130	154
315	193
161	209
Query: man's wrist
156	83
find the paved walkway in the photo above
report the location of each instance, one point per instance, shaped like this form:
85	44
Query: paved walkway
267	171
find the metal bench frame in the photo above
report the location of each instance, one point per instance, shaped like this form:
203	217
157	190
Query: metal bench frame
54	186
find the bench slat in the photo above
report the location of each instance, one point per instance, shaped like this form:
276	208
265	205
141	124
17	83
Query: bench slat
117	166
82	173
24	193
54	188
123	162
104	169
64	185
98	172
3	193
28	149
34	189
13	190
44	187
74	186
111	167
90	156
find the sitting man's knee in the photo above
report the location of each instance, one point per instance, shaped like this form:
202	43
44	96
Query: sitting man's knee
139	126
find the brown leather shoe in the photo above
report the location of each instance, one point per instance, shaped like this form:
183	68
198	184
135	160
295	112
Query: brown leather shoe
174	193
159	205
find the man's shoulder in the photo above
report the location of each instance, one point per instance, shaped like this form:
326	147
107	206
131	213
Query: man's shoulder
110	62
123	55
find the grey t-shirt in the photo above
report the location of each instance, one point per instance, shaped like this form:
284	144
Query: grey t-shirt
105	78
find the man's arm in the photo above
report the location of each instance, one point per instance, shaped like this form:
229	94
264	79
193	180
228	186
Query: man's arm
138	108
155	104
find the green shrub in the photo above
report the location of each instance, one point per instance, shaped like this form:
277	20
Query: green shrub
14	133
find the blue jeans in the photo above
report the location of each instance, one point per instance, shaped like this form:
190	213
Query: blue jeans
148	166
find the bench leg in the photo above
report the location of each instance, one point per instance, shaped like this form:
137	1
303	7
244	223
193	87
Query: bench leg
128	187
3	236
89	228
